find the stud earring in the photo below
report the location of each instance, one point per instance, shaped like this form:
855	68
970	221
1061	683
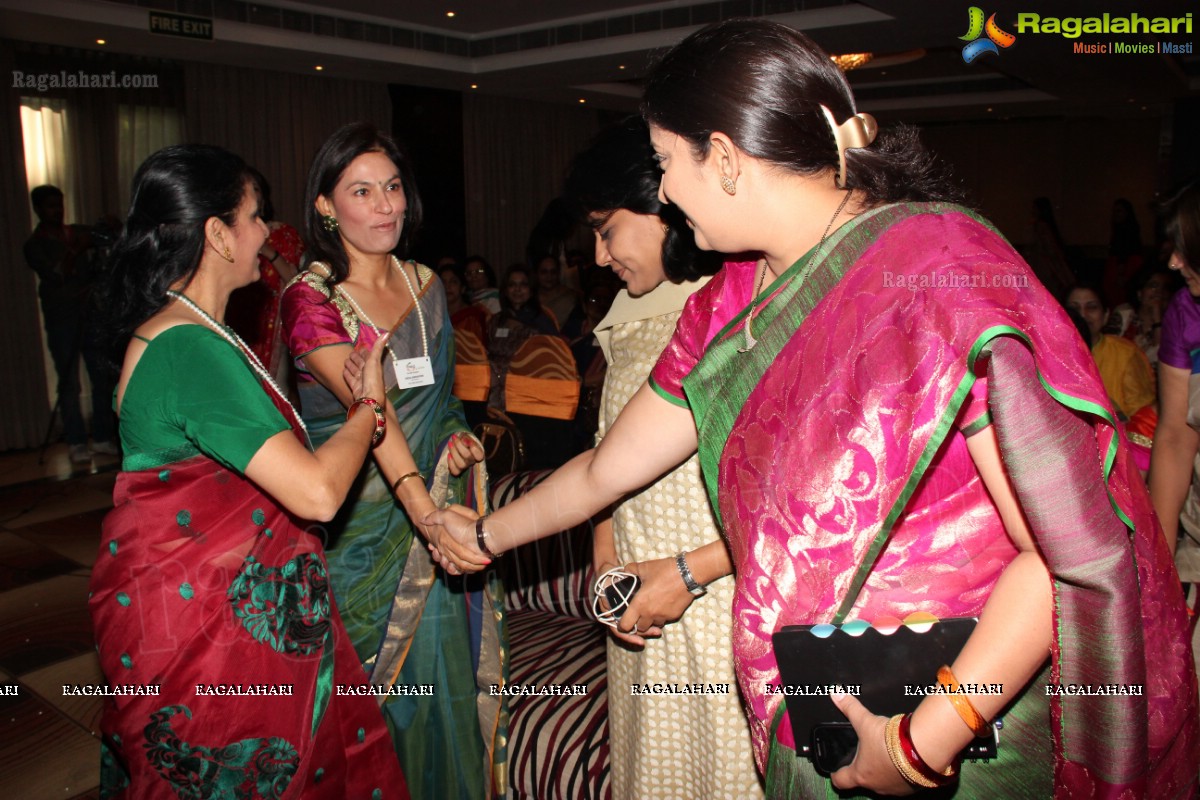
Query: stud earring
227	254
329	222
728	185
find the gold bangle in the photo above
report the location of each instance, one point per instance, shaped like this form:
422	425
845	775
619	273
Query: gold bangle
962	704
891	742
404	477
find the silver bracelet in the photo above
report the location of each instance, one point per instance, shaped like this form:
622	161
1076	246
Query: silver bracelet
696	589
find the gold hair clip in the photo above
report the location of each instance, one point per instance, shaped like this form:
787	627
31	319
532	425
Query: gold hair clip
856	132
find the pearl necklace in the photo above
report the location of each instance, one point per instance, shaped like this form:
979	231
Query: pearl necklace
235	340
362	315
748	334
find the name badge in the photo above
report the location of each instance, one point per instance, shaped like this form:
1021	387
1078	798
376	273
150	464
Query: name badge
413	372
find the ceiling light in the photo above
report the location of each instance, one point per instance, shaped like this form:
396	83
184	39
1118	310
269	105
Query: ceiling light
449	13
474	85
318	68
849	61
101	41
582	100
620	66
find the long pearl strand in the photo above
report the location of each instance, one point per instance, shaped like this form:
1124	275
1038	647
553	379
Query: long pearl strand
235	340
362	315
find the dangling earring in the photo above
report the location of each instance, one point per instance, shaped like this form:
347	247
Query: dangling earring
329	222
728	185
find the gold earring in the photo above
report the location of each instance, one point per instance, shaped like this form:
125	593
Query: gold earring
728	185
227	255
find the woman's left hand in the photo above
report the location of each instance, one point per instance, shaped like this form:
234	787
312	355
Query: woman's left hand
464	451
872	767
661	598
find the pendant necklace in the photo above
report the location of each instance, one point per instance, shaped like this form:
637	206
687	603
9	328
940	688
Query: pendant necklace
747	332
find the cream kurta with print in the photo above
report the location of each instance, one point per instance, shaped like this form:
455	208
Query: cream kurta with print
670	746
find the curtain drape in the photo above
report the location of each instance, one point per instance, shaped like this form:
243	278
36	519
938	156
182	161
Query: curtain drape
276	121
516	154
24	403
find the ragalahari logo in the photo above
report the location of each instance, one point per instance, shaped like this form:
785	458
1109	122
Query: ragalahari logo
976	28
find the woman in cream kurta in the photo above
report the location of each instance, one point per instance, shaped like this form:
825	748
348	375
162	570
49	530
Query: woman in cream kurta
670	745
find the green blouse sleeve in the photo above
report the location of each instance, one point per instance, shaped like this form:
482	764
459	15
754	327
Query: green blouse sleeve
193	392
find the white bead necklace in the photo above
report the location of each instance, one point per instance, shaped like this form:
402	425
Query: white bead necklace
235	340
362	315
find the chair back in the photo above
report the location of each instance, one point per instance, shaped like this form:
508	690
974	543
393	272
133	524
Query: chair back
472	373
542	380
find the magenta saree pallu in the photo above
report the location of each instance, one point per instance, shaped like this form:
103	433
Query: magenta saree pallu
834	453
208	590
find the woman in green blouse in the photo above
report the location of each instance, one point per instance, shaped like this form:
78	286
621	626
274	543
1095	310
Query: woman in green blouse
210	598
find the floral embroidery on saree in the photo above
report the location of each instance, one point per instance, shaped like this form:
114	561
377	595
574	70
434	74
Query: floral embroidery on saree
251	768
285	607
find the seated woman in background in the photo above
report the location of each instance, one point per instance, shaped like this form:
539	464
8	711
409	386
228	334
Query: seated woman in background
1124	370
208	576
409	623
560	301
481	280
464	315
1140	320
661	747
521	316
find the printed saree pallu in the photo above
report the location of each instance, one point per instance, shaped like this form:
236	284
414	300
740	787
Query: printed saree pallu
207	588
834	454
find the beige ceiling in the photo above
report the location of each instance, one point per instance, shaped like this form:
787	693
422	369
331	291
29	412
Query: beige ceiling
1038	76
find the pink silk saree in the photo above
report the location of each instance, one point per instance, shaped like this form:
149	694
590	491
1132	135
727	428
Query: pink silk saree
835	457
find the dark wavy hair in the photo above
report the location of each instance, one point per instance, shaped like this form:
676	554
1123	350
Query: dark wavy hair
1182	213
175	192
618	171
346	144
763	85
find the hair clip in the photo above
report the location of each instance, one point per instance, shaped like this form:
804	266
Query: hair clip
858	131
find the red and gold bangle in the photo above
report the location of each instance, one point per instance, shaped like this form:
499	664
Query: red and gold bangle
380	419
895	751
933	779
962	704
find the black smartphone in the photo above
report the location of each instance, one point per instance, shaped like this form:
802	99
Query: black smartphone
618	591
834	745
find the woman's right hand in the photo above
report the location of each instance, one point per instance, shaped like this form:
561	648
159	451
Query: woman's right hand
363	371
452	542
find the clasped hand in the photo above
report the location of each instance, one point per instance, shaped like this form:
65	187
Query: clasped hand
451	534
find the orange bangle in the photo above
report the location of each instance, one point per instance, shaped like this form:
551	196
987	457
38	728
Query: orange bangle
962	704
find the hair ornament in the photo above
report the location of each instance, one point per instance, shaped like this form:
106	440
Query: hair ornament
857	132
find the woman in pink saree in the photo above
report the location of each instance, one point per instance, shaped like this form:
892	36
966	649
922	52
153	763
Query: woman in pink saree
893	416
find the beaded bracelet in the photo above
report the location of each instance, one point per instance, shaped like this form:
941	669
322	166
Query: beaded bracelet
481	538
406	476
962	704
380	419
